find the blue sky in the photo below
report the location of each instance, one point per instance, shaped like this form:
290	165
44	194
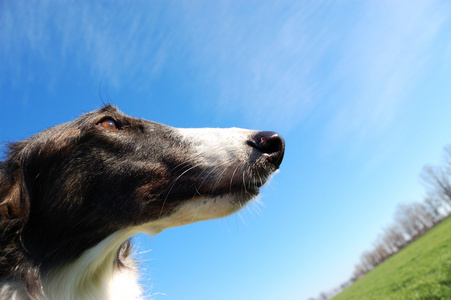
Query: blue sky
359	89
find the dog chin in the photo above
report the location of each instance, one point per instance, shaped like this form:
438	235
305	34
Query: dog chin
201	209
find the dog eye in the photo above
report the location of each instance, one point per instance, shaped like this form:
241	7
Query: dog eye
108	124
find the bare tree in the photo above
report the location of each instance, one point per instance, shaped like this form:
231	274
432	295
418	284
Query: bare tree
359	271
447	159
434	207
381	251
367	261
394	238
437	181
389	244
423	216
414	219
404	221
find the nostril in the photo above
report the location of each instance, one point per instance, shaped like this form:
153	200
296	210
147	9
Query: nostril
268	142
271	144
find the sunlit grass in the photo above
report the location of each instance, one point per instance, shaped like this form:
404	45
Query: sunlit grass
422	270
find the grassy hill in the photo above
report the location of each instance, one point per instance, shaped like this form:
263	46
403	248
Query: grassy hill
422	270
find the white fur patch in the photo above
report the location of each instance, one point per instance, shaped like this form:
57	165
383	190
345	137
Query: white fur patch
217	146
94	276
13	291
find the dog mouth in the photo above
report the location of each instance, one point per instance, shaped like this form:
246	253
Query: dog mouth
239	185
250	191
242	192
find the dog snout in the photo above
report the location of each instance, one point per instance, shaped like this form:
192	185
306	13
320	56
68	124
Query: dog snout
271	145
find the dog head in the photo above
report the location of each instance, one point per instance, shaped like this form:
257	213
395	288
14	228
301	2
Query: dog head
106	171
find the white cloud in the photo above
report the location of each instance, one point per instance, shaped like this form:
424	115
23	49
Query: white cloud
350	66
261	62
383	57
124	43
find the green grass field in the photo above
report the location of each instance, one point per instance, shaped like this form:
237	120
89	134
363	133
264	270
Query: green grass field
422	270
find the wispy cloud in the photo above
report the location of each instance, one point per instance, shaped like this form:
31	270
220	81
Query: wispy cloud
353	75
262	60
382	57
276	64
128	43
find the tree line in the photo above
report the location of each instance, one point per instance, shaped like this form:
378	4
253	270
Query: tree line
411	221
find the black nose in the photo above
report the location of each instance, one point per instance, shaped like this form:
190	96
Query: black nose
271	144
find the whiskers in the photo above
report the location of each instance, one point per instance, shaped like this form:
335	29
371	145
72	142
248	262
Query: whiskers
172	186
213	190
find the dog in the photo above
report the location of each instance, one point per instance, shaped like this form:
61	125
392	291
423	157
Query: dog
72	196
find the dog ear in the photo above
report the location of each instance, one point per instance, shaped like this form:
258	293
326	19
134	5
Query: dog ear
14	196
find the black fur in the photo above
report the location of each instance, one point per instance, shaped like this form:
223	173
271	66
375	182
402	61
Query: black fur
67	188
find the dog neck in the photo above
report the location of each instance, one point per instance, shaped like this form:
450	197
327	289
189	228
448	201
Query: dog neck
103	271
99	273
